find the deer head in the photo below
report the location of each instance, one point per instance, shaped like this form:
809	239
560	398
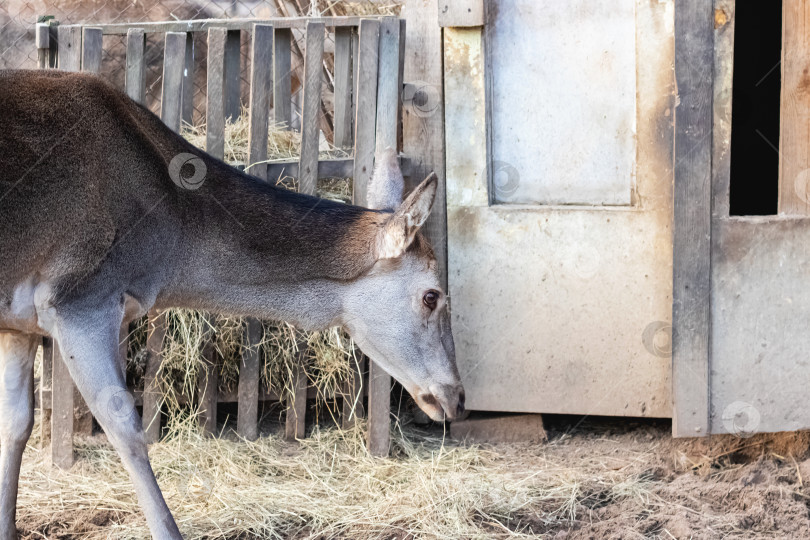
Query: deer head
397	311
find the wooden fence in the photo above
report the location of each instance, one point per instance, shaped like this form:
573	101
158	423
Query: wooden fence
368	62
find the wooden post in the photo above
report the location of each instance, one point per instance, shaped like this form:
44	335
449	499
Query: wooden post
343	88
70	48
295	425
233	75
43	44
388	85
152	394
215	104
282	82
46	392
188	81
61	413
136	66
794	137
313	81
260	84
423	130
91	49
353	395
691	271
53	45
247	418
173	62
365	85
208	386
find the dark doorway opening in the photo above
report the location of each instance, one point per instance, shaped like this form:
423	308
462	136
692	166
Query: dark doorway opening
754	182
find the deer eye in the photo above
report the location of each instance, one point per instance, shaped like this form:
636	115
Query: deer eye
430	299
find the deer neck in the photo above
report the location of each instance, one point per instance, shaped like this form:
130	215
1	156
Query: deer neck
248	248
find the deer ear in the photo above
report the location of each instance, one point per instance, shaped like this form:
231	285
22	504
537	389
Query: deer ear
398	232
386	185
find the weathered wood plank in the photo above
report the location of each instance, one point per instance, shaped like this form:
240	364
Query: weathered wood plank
215	99
45	395
188	81
388	87
208	386
261	74
296	422
70	47
313	82
282	81
379	410
233	75
231	24
53	45
365	86
460	13
423	117
343	88
91	49
153	393
691	307
247	418
62	413
136	65
794	135
42	40
721	103
353	392
173	63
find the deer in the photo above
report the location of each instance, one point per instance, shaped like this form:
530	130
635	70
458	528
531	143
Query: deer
107	213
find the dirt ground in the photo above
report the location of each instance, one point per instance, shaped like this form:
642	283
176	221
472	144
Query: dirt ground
594	479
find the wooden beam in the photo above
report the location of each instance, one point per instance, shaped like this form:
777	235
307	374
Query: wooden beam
365	86
152	392
296	422
231	24
136	65
282	81
261	73
343	88
42	40
187	107
794	133
313	83
173	62
61	413
691	306
70	48
215	95
91	49
208	384
45	392
247	418
423	117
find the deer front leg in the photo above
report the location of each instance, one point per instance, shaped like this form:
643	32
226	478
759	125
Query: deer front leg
17	353
89	347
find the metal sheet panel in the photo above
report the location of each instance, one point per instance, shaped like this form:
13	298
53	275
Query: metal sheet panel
564	100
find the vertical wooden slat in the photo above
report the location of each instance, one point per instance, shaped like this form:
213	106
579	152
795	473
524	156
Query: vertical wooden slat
247	418
353	395
388	90
46	392
136	66
282	82
400	82
295	425
152	393
233	75
188	81
691	306
794	133
365	85
43	44
423	134
91	49
313	80
173	63
215	104
70	48
343	87
61	413
208	386
53	45
261	67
